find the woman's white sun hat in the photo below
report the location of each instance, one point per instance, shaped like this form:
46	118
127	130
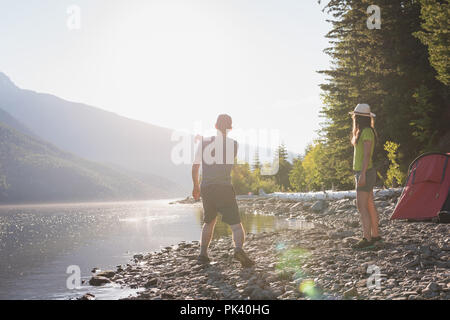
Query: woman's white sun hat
363	109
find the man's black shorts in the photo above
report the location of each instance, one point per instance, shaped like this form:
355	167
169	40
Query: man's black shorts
220	198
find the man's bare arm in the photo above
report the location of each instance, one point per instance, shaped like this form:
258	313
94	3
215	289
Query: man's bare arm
195	180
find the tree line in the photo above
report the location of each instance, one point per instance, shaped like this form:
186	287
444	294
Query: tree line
402	70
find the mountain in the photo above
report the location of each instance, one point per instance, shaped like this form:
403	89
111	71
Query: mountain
32	170
95	134
8	120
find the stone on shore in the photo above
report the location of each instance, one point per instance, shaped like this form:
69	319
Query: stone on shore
99	281
353	292
319	206
107	274
87	296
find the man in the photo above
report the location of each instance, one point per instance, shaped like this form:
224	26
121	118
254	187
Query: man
216	155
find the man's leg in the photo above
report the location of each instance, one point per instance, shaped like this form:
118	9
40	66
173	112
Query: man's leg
239	239
238	235
207	233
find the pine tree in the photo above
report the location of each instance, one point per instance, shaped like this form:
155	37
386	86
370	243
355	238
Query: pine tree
256	162
282	176
297	175
436	35
386	68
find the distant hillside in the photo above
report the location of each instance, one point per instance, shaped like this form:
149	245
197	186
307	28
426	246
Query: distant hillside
32	170
94	134
7	119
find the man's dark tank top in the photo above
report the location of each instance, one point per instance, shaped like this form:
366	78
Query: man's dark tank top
217	164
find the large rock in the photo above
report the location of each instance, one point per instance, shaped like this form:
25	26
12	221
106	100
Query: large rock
98	281
151	283
319	206
258	293
87	296
107	274
138	257
344	204
340	234
433	286
353	292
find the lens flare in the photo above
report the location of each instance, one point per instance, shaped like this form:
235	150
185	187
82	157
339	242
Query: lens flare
293	260
308	288
280	246
290	266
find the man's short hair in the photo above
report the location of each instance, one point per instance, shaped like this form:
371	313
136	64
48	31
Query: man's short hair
224	123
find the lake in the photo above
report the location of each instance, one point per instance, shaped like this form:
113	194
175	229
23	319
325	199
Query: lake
39	243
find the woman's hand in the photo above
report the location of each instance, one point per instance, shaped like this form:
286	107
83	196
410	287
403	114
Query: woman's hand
362	179
196	193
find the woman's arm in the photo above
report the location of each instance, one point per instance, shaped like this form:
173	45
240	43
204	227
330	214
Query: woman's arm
366	161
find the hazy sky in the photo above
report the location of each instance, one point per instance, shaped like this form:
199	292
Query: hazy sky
175	62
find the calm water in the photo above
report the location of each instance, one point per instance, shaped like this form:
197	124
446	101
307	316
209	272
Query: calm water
38	243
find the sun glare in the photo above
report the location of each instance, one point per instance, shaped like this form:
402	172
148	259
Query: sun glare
174	57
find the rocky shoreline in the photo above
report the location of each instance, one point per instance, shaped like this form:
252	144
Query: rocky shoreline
413	261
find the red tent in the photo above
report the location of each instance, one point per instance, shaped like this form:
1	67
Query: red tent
427	188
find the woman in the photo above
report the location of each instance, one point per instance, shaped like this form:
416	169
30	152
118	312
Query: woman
363	140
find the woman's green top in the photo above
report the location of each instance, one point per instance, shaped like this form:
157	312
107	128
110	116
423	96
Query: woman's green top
358	157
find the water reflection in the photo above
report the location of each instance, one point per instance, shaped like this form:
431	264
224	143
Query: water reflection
38	243
256	223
